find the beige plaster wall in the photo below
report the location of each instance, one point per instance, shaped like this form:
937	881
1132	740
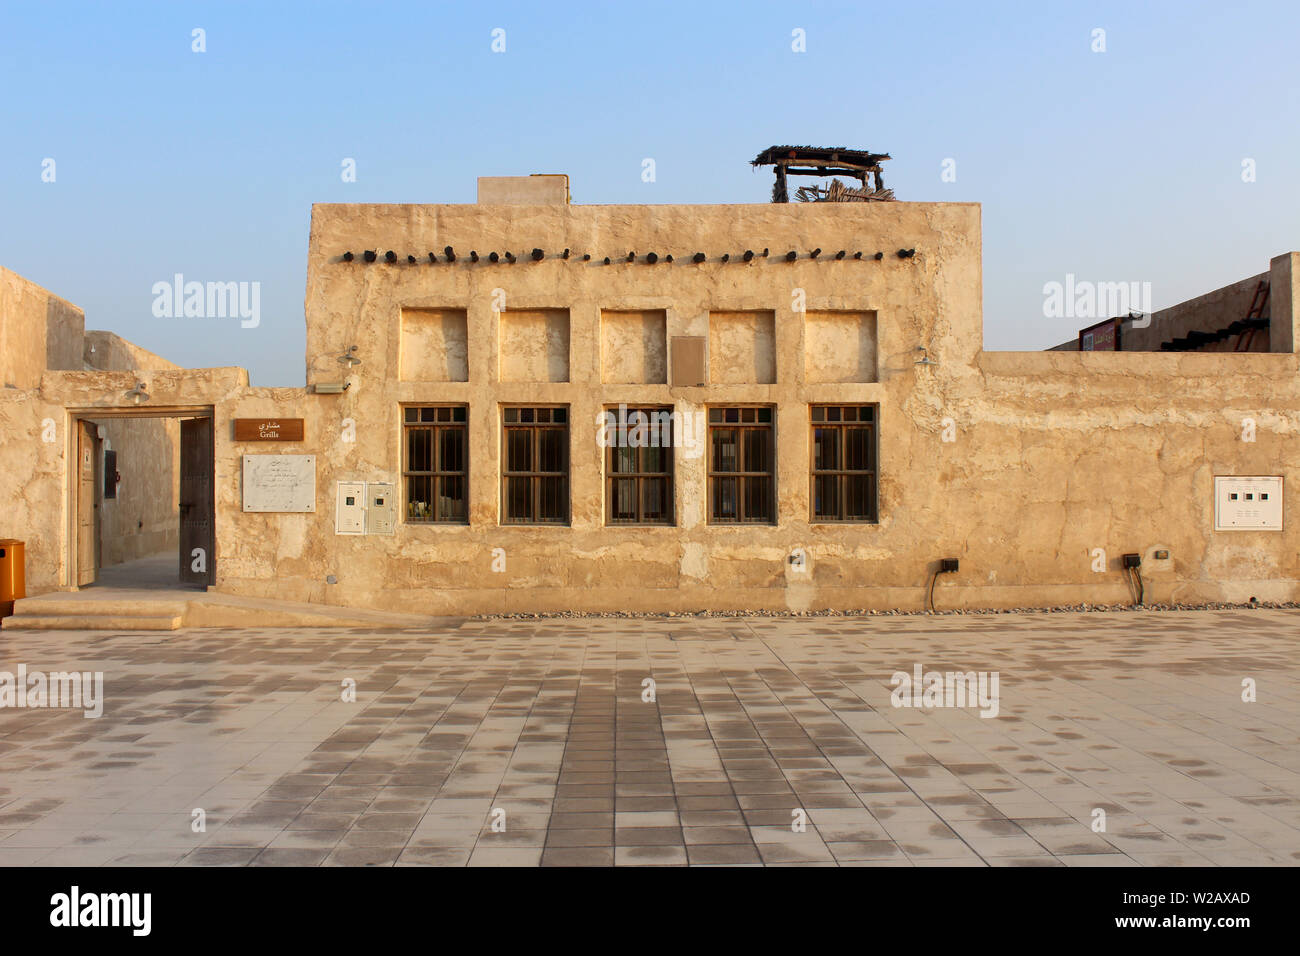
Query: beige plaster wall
38	330
110	352
1205	313
1019	464
1052	456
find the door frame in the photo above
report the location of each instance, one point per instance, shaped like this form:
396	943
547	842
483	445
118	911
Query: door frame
72	467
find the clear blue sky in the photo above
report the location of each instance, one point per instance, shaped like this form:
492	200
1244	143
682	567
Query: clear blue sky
1115	166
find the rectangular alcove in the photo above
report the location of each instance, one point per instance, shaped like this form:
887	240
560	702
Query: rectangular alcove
840	347
534	345
434	346
742	348
634	347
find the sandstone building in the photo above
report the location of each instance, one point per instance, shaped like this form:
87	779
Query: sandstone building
524	404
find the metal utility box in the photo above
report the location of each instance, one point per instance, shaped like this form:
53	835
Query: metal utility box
350	508
1248	503
689	360
381	509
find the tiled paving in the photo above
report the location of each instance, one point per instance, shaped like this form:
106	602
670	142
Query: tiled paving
540	728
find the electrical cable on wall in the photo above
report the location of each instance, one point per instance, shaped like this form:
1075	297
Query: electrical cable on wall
946	566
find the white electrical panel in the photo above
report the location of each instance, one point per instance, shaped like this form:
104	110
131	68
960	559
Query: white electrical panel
1248	504
350	508
381	510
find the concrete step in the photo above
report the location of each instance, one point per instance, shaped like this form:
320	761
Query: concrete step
57	605
82	612
88	622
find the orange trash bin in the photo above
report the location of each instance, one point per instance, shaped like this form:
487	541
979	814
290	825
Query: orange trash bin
13	585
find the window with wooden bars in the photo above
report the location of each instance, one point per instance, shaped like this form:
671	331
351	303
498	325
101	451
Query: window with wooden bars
435	463
534	465
638	466
844	463
742	457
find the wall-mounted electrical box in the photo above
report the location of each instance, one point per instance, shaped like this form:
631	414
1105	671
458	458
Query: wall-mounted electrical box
1248	504
381	509
350	508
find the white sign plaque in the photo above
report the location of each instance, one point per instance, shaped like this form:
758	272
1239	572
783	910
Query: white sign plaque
280	483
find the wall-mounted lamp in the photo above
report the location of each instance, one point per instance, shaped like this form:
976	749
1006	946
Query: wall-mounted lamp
349	357
138	394
925	357
331	388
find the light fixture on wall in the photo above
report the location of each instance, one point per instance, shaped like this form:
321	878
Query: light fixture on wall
331	388
349	357
925	357
138	394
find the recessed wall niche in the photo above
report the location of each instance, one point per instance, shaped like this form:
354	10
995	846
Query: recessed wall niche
634	347
534	345
742	348
840	347
434	346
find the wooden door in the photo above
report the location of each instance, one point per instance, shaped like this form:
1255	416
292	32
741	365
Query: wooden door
87	502
196	502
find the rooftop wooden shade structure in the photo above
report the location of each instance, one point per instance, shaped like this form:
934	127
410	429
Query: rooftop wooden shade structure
826	161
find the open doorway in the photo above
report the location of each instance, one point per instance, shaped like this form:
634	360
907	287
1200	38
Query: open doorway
142	504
